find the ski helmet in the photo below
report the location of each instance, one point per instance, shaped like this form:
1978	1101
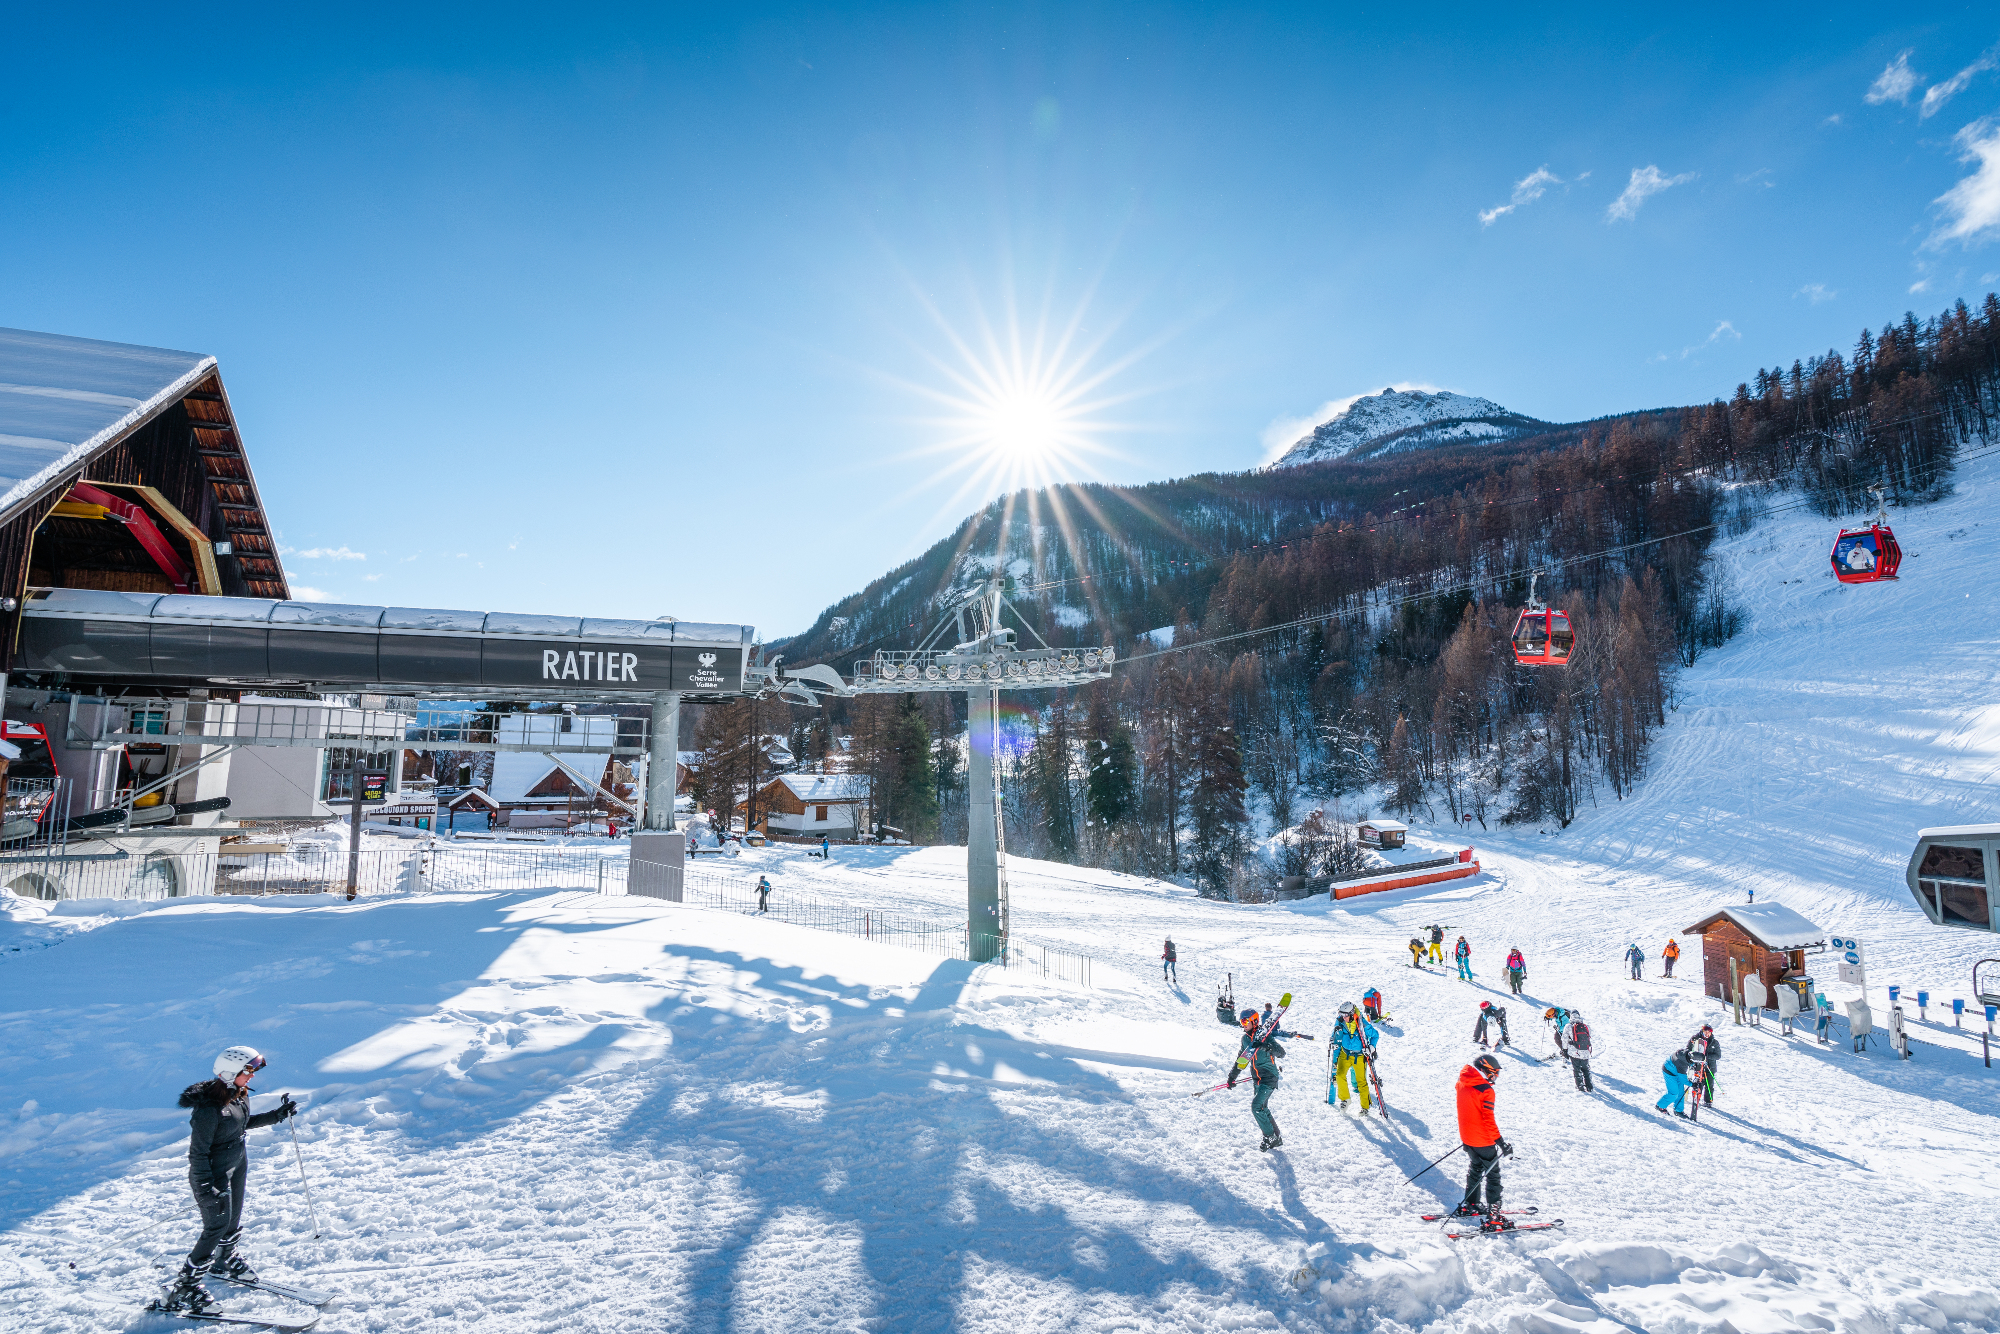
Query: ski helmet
1346	1008
236	1060
1486	1005
1549	1013
1487	1066
1248	1016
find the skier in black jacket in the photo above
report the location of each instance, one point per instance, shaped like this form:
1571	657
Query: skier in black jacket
1704	1053
218	1171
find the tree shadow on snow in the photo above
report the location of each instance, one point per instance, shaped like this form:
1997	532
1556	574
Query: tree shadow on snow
944	1145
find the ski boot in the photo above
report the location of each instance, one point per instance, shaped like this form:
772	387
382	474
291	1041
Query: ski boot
1264	1144
1497	1222
187	1296
1467	1210
235	1269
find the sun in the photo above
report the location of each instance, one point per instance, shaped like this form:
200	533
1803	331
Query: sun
1025	426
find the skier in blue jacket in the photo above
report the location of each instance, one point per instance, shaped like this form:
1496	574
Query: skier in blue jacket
1637	958
1354	1046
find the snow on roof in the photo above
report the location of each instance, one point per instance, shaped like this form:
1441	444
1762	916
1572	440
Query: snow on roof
826	787
1384	824
1770	924
517	773
62	397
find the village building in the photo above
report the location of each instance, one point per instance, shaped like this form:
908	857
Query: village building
808	807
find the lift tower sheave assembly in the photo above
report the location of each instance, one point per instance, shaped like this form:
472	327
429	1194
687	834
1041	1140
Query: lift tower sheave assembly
984	661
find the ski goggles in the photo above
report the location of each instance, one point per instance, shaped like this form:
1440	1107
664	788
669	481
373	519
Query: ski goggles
253	1065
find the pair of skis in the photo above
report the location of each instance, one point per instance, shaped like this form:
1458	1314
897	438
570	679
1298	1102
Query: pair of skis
1493	1232
277	1325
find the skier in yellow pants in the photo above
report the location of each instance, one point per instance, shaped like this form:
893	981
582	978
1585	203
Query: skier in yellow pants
1354	1046
1437	944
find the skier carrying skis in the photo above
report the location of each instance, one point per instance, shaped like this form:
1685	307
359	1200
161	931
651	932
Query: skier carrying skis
1636	957
1167	961
1704	1052
218	1171
1573	1041
1675	1070
1671	954
1437	943
1493	1014
1354	1045
1416	952
1517	969
1484	1145
1463	953
1260	1056
1371	1004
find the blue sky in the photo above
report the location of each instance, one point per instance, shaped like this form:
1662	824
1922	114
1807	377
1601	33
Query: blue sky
719	314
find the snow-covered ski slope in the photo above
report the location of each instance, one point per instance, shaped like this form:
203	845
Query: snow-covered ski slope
564	1112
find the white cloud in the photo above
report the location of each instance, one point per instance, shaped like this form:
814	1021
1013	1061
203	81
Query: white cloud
331	553
1645	183
1895	83
1939	94
307	593
1526	191
1834	119
1284	432
1723	329
1920	285
1972	207
370	578
1816	293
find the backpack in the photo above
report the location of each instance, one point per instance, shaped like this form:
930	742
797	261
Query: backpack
1579	1037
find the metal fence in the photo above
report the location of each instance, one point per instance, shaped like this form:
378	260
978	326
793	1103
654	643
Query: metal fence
727	893
303	868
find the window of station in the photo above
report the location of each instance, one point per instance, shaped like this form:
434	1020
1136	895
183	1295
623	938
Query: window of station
1952	881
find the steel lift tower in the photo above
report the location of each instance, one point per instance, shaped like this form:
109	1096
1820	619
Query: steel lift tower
984	661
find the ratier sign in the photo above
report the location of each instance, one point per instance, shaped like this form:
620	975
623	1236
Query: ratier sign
1853	963
646	667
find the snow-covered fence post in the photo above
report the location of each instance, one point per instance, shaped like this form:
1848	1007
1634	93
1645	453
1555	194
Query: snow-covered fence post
1899	1041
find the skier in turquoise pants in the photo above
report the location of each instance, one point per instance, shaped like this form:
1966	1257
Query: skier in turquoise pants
1260	1058
1677	1085
1463	953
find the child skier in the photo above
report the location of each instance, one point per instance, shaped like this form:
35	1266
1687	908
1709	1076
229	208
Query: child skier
218	1172
1354	1046
1167	961
1463	953
1416	952
1573	1041
1484	1145
1704	1052
1493	1014
1261	1059
763	894
1517	969
1637	958
1371	1004
1671	954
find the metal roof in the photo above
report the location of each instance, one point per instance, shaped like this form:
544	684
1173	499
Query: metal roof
62	397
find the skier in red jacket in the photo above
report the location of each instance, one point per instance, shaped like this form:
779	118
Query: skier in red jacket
1484	1145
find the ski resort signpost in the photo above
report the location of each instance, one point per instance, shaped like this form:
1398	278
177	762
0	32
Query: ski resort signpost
984	660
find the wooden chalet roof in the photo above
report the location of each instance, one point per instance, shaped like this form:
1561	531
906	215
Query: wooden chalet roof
117	412
1771	925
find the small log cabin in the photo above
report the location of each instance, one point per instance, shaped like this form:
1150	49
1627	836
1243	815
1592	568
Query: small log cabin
1765	939
812	806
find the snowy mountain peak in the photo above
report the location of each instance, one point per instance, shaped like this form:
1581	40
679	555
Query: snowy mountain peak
1399	419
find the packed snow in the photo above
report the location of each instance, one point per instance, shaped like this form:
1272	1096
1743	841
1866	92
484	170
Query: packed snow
565	1111
1366	424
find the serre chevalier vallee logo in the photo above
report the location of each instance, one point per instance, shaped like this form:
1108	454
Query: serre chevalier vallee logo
706	659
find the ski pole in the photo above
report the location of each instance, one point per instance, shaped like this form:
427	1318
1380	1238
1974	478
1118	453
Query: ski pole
1433	1163
175	1212
300	1159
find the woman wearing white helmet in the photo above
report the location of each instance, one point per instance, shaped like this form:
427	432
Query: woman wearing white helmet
218	1170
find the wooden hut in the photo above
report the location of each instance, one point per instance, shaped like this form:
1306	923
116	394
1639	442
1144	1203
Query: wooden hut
1766	940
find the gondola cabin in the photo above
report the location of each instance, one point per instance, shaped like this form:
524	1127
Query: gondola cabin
1543	638
1952	875
1866	555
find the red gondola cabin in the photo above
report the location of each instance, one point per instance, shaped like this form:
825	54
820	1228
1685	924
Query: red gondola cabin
1543	638
1866	555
